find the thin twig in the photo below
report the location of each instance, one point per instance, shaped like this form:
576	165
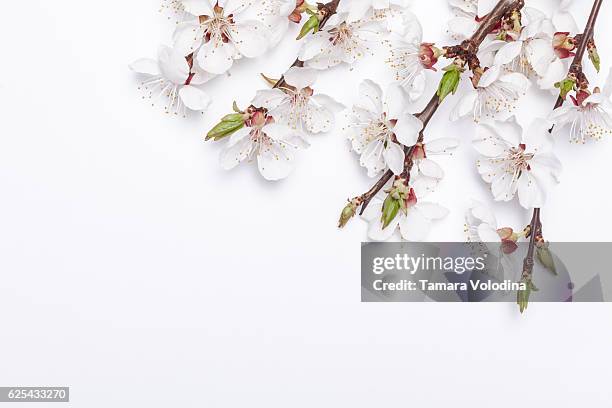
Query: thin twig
576	69
328	10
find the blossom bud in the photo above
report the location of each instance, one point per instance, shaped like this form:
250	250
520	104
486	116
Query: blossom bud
296	14
563	45
229	124
311	25
545	257
349	212
522	296
594	55
418	152
450	81
505	233
508	246
428	55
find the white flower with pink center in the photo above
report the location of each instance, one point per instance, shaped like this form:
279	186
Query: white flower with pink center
516	162
410	57
494	97
273	145
173	77
296	104
341	42
532	52
429	171
219	34
586	116
413	222
380	128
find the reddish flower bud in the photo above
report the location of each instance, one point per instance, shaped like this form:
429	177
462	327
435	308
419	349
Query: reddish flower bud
581	96
505	233
564	45
411	200
428	55
418	152
508	246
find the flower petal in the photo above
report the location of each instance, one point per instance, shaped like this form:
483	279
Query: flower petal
237	150
250	38
508	52
194	98
530	193
407	129
432	211
275	161
431	169
394	158
370	93
147	66
173	65
414	226
216	59
300	77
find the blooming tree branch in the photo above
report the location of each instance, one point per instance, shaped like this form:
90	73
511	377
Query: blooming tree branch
578	80
463	54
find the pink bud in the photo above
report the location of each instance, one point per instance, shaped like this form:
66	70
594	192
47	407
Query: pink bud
563	45
296	14
581	96
418	152
428	55
411	200
505	233
508	246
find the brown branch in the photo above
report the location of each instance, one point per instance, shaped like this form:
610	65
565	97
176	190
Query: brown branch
327	10
575	69
469	47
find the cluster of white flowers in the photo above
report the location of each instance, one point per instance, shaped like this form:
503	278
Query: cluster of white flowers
527	48
354	31
209	37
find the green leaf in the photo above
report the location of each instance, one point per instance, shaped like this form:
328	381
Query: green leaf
449	82
311	25
391	207
228	125
565	86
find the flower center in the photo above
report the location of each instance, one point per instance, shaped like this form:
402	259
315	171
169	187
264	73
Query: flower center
518	160
340	34
217	27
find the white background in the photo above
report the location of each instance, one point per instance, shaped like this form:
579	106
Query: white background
137	272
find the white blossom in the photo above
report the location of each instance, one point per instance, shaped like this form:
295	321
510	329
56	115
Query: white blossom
275	16
494	97
297	105
380	127
588	117
516	162
413	223
273	145
219	34
429	171
410	57
172	78
532	52
340	42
